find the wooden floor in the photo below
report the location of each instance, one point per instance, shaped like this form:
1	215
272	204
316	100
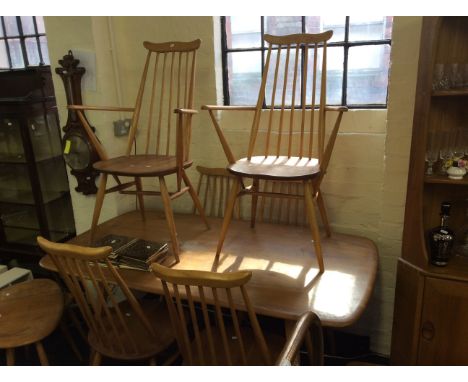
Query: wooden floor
285	280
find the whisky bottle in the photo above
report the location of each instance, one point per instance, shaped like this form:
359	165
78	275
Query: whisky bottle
441	238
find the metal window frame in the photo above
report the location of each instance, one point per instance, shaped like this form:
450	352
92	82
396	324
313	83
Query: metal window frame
22	37
346	44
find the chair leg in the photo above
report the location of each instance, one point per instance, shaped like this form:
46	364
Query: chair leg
98	205
41	353
196	200
253	212
169	217
228	214
96	359
10	357
313	223
141	202
323	213
70	340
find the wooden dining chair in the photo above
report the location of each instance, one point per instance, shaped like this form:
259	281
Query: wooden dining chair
213	190
166	114
290	144
127	330
216	333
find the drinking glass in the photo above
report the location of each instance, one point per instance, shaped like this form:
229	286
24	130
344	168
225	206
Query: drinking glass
432	152
445	151
455	76
440	80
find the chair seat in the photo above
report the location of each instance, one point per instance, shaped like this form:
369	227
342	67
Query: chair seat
140	165
148	346
276	167
29	312
275	344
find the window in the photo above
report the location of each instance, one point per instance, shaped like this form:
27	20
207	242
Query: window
357	61
23	42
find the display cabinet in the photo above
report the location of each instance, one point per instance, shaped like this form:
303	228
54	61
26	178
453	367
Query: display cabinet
34	193
430	315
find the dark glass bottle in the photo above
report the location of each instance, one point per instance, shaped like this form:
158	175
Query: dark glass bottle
441	238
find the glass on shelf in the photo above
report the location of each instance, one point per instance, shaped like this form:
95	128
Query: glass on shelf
445	151
432	152
45	136
11	144
440	79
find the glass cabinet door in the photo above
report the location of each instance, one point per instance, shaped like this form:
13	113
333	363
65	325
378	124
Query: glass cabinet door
11	144
19	222
15	185
45	136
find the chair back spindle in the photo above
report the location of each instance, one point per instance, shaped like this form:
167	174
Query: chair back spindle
294	131
91	278
226	342
213	189
168	81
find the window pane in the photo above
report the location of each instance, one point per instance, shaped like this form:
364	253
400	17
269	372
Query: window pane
15	53
1	28
11	25
244	72
368	74
28	25
243	32
33	52
44	50
281	25
40	24
335	58
280	84
370	28
3	56
318	24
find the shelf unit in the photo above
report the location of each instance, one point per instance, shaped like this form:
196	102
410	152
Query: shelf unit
34	193
431	303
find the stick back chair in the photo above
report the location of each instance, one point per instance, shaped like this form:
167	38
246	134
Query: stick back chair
213	190
220	336
290	144
127	330
169	75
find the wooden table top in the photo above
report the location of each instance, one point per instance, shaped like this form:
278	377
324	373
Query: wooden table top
285	281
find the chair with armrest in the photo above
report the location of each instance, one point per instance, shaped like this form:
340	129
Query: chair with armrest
170	78
290	144
127	330
219	335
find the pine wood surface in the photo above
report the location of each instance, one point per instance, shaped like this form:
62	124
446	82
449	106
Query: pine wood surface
285	281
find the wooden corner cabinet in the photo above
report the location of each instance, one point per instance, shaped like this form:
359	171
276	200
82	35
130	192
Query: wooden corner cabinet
431	303
34	193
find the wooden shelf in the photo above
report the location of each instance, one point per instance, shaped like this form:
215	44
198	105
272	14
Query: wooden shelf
450	92
442	179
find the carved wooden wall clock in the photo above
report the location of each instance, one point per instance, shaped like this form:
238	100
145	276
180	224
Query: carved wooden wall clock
78	151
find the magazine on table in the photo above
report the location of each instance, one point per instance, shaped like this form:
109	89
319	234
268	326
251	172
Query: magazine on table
134	253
